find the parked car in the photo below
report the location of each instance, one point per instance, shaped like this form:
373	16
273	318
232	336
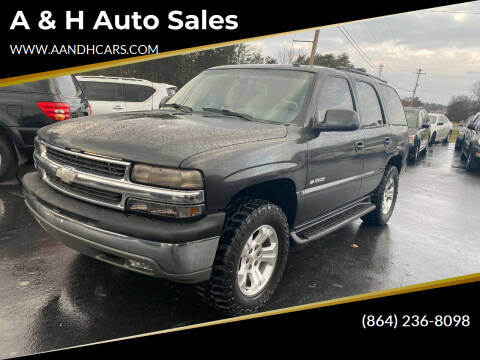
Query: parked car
27	107
418	131
461	131
211	188
440	128
471	144
117	94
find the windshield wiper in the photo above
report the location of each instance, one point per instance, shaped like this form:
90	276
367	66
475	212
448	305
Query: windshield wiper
182	108
229	113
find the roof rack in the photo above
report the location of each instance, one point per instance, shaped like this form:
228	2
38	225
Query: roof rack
361	73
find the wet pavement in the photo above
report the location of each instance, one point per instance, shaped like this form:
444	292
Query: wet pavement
52	297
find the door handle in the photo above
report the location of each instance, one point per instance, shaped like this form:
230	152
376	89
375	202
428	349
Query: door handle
388	141
118	107
359	145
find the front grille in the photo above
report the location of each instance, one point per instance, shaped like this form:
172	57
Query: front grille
86	191
79	161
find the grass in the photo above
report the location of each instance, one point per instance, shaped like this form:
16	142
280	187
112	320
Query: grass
453	137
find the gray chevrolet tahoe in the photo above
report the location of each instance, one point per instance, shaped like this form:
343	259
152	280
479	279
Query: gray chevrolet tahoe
214	186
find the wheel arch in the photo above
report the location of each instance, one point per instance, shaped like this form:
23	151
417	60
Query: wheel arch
281	192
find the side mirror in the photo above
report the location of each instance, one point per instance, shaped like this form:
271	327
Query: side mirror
471	126
164	100
425	126
440	124
337	120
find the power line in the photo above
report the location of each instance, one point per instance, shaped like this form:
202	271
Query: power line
364	57
363	52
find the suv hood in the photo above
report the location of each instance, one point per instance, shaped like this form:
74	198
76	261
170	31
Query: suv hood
156	137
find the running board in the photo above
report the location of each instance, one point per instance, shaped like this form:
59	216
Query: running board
331	223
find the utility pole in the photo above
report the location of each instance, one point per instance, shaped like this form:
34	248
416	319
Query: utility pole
418	73
380	69
314	46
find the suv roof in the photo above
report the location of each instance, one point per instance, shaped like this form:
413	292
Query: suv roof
298	67
123	80
412	108
102	78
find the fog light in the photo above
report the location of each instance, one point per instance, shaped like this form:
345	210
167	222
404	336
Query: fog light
140	265
161	209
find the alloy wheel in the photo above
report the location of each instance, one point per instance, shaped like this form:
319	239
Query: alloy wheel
388	195
257	260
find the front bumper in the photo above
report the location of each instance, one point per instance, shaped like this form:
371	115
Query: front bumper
110	236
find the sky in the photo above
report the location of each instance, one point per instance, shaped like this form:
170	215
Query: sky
444	42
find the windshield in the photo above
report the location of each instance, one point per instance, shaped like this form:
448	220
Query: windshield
260	94
412	118
433	119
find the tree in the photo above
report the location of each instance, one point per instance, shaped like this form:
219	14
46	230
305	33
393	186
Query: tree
460	108
328	60
416	102
178	70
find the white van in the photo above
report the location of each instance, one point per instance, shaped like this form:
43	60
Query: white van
108	94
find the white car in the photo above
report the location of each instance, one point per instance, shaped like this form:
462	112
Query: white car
440	128
108	94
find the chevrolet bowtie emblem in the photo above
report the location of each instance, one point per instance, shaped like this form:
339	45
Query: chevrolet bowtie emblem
66	174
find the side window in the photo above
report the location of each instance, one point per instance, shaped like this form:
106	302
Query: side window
102	91
426	119
393	105
137	93
369	105
335	94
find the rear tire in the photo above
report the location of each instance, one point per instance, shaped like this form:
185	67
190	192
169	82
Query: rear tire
384	197
471	161
447	138
434	137
8	159
234	287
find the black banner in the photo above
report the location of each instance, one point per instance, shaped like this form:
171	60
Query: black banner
48	44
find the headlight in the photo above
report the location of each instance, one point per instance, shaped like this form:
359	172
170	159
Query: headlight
162	209
166	177
478	141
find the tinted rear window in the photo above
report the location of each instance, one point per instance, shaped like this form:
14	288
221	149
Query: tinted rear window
396	115
412	118
102	91
42	86
137	93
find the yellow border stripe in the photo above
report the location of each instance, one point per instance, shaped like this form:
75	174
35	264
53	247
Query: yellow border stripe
465	279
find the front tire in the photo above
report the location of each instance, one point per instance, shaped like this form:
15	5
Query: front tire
416	152
384	197
250	259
